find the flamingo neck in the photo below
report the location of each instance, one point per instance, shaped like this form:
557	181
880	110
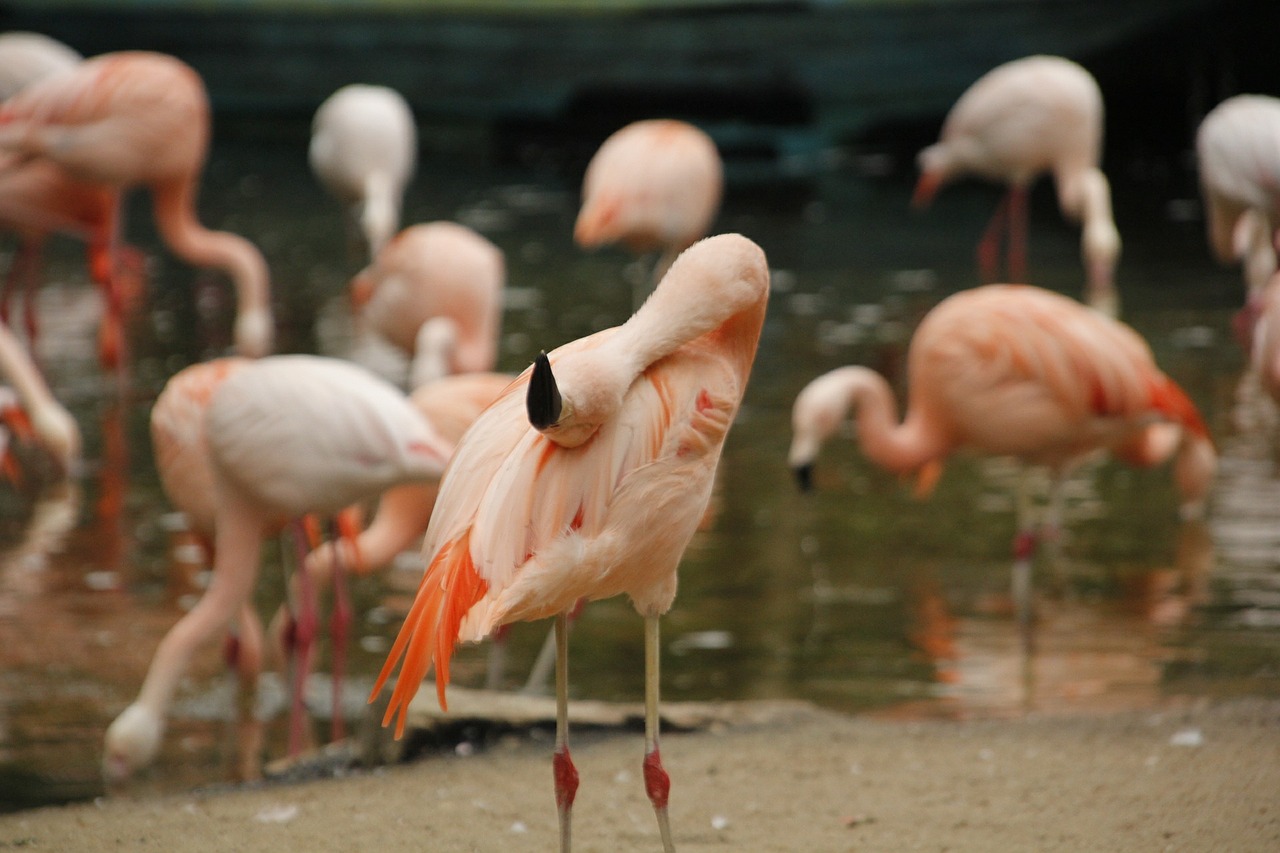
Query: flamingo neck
402	516
379	212
898	447
188	239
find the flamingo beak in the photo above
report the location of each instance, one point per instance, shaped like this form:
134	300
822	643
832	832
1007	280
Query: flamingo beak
804	477
926	189
543	400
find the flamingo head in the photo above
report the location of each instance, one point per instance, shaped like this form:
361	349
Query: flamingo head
131	743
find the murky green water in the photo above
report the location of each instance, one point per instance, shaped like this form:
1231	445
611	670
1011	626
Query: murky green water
859	597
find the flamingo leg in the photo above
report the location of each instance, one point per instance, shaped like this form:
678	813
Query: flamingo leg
1024	550
339	626
303	642
245	655
566	775
657	783
536	684
496	666
1017	246
989	244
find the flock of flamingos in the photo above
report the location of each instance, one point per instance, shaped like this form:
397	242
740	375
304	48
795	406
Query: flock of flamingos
587	475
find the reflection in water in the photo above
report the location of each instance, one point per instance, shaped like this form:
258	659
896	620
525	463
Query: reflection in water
859	597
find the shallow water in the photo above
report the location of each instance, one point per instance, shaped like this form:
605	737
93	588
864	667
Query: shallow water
859	596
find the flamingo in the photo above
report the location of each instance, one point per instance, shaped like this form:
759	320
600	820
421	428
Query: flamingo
586	479
1238	158
654	185
435	293
1020	371
282	437
140	118
52	425
38	199
1021	119
364	146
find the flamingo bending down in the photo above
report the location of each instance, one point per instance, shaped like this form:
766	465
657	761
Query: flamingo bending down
39	199
364	147
1020	371
590	483
52	424
138	118
435	292
283	437
1021	119
654	185
1238	157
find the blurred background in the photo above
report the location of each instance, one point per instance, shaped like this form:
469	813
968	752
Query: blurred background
859	597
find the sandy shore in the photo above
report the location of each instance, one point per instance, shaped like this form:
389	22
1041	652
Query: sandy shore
1195	777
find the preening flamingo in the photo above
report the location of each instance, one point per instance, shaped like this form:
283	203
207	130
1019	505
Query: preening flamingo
654	185
364	148
1238	157
1020	120
1020	371
138	118
51	424
285	436
587	479
435	293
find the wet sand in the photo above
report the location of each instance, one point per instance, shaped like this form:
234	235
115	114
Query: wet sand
1192	776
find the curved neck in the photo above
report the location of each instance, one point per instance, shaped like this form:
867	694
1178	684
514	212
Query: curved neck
188	239
380	212
898	447
402	516
17	367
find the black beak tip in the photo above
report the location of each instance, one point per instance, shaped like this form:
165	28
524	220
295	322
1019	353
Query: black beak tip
804	477
543	400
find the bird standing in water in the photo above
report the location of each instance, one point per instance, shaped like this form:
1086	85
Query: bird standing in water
1024	118
246	447
364	148
586	479
132	119
1020	371
654	185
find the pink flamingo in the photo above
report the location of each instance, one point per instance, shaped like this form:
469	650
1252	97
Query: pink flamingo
1020	371
589	483
1021	119
283	437
435	293
138	118
1238	157
38	199
654	185
364	148
51	424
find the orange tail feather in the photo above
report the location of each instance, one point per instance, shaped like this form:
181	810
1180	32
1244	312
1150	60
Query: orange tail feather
449	589
1173	401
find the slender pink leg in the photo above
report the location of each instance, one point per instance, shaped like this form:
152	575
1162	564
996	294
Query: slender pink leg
566	775
989	245
244	655
302	642
339	625
1018	235
657	783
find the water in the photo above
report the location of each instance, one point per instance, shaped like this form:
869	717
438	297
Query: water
858	597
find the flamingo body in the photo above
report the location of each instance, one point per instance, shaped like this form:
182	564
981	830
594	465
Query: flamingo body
364	150
654	185
142	119
445	275
1022	119
26	57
